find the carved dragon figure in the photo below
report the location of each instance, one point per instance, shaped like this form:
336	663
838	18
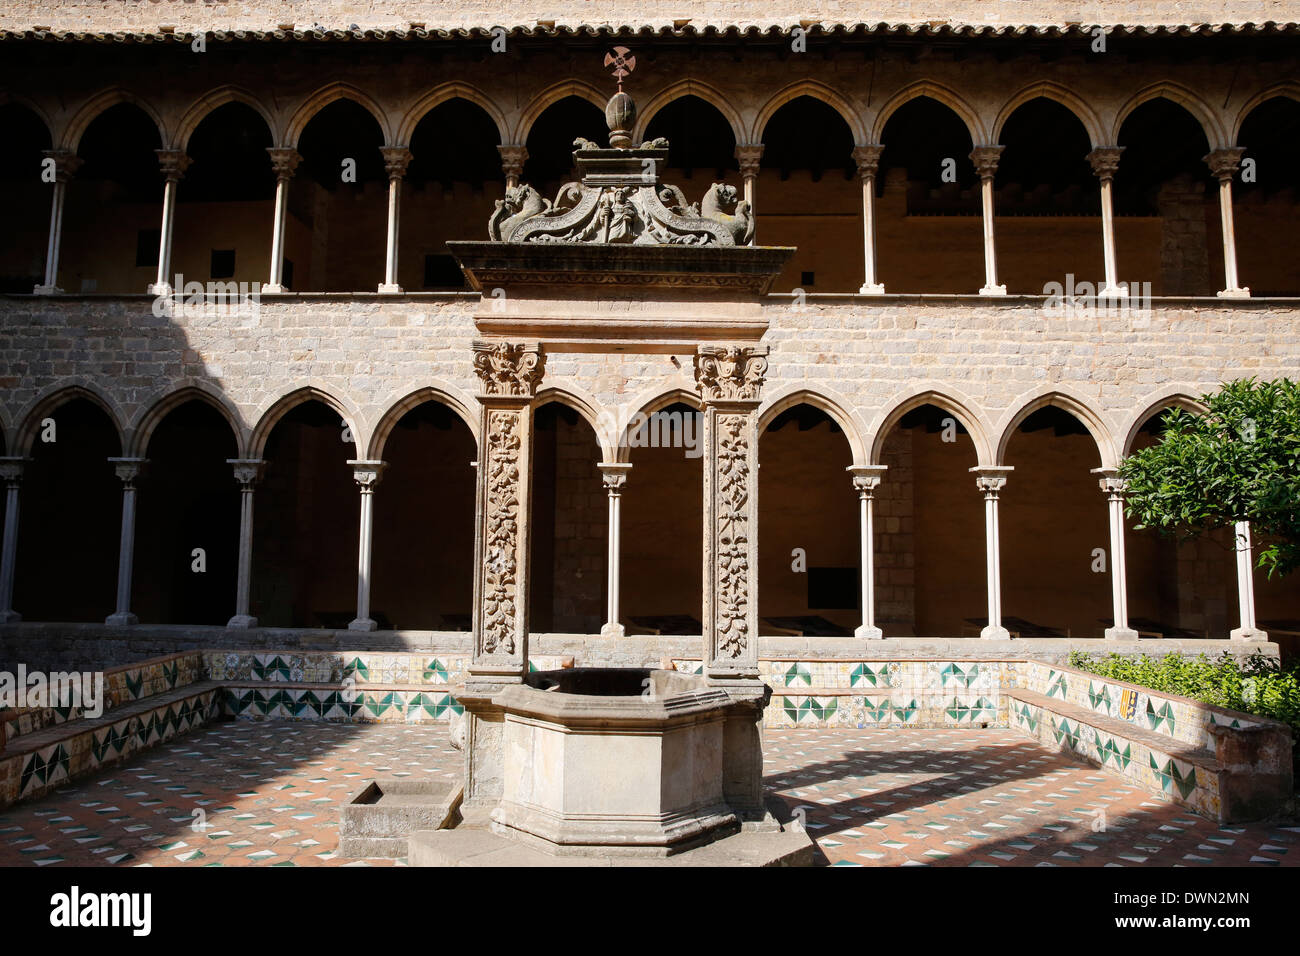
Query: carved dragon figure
717	200
522	202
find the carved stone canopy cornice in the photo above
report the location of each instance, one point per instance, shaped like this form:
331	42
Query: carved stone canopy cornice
508	369
730	373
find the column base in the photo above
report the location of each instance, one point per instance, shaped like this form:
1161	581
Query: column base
612	629
272	289
10	617
1113	292
363	624
872	288
390	288
1121	634
1242	293
991	633
159	288
47	290
994	290
121	619
869	633
1248	634
241	622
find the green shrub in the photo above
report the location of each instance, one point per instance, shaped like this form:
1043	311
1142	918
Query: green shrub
1259	686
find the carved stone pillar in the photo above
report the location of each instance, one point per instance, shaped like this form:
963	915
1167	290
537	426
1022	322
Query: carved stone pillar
11	473
285	163
1105	163
513	158
509	374
66	164
396	159
868	160
128	470
614	475
749	156
866	479
248	472
991	480
173	163
1248	631
1224	164
1113	488
986	164
366	474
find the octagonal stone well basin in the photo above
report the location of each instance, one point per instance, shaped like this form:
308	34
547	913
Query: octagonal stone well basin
620	759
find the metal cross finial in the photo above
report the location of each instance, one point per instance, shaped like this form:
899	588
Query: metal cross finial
622	64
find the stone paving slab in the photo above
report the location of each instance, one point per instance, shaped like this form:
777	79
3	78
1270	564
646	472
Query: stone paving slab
268	793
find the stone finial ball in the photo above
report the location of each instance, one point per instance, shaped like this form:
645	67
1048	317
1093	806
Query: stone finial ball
620	112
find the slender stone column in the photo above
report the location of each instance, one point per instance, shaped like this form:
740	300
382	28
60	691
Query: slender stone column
128	470
1105	163
866	479
366	474
285	163
1224	164
513	158
1248	631
986	164
614	475
173	163
868	160
1113	488
396	159
509	374
749	156
248	472
991	480
11	472
66	164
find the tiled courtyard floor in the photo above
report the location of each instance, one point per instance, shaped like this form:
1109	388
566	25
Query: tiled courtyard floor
269	794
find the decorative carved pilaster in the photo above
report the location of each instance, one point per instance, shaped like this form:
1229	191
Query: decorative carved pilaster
1104	161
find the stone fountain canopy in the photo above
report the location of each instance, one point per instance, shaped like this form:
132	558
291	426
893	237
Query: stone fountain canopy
621	257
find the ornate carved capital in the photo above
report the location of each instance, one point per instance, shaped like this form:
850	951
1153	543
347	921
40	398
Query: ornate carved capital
248	471
284	162
1113	487
128	470
868	159
1224	163
985	159
513	158
1104	161
173	163
366	473
730	373
614	476
11	470
508	369
396	159
991	479
66	163
749	155
867	478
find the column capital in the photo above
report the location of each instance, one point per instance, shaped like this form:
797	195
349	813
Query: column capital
396	159
513	157
614	475
868	159
749	155
173	163
66	163
1104	161
248	471
128	469
985	159
508	369
366	472
284	161
866	478
991	479
1225	162
730	373
11	469
1109	481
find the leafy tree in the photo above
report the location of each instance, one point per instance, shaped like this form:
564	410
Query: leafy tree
1238	462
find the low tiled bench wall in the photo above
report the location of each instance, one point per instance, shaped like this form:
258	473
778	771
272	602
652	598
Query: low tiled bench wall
1225	764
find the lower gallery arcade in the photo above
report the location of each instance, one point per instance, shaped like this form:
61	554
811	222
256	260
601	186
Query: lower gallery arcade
947	529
